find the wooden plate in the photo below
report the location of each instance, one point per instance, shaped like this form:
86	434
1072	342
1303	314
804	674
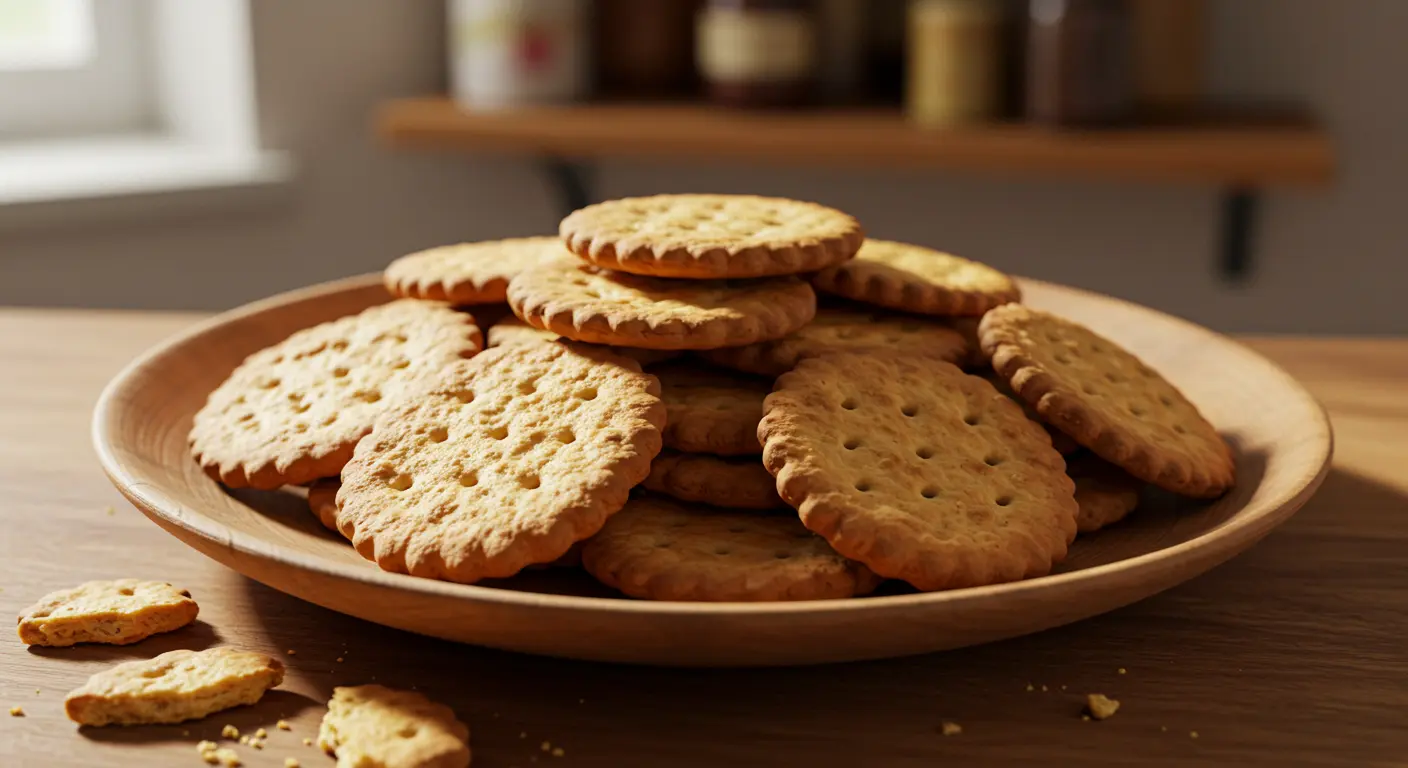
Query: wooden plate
1281	435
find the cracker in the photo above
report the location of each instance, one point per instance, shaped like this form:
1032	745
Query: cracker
173	687
1104	492
711	236
711	410
470	273
740	483
371	726
511	330
322	501
118	612
589	304
839	330
662	550
501	462
918	470
1062	442
913	278
1107	400
291	413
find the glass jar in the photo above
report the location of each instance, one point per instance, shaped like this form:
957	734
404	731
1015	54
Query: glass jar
757	53
955	62
1079	62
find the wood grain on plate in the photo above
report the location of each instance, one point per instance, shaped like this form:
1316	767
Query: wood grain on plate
1291	654
1281	434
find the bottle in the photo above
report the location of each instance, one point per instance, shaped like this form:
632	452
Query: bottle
955	62
645	48
841	32
1079	62
757	53
508	53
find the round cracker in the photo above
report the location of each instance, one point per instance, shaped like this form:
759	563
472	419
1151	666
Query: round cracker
585	303
918	470
322	501
842	330
470	273
913	278
1104	492
1062	442
739	483
711	236
1107	400
501	462
662	550
712	410
511	330
291	413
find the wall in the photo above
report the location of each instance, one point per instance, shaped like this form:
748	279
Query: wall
1326	262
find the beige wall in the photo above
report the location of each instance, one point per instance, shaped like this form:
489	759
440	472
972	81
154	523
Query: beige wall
1331	262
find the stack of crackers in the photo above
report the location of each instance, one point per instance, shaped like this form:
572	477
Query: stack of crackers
669	404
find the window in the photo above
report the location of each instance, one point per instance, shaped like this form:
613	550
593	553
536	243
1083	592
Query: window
104	98
70	67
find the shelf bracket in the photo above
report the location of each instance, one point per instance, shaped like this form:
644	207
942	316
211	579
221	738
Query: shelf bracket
571	181
1239	212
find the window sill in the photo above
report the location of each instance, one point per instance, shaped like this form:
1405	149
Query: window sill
62	183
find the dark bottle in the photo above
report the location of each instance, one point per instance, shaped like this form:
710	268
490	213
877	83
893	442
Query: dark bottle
645	48
757	53
1079	62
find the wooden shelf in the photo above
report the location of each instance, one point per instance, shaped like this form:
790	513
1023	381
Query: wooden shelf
1228	152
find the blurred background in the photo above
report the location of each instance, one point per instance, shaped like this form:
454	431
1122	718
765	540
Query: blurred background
1236	162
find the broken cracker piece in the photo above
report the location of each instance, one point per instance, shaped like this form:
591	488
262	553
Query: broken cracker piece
173	687
371	726
1100	706
117	612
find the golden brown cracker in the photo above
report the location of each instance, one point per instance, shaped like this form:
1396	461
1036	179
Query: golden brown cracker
291	413
663	550
918	470
372	726
1104	492
840	330
711	236
501	462
1107	400
711	410
173	687
117	612
511	330
738	483
470	273
322	501
912	278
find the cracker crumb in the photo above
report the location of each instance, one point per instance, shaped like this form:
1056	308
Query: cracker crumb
290	762
261	734
36	691
230	732
1164	728
546	746
1030	687
210	757
307	742
558	752
16	711
1044	689
1063	687
339	659
244	740
1085	718
185	733
256	743
1101	706
207	746
522	734
1192	734
291	652
1123	670
283	725
111	511
951	729
226	757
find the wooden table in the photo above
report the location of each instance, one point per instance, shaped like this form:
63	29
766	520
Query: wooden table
1295	653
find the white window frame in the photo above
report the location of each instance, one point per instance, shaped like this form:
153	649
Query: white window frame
201	134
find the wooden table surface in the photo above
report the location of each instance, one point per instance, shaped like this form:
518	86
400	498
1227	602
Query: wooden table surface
1295	653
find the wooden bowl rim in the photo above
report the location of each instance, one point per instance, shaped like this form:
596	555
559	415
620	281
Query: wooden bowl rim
1227	538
